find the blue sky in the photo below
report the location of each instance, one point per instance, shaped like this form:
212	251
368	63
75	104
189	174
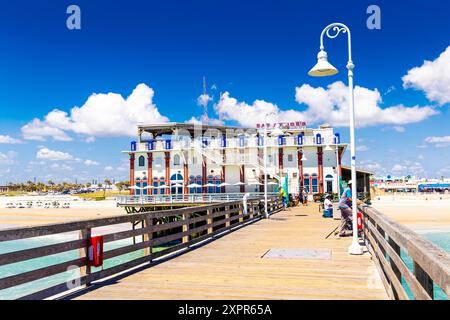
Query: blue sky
254	51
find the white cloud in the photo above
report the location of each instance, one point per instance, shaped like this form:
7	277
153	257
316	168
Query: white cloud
362	148
328	105
398	168
399	129
203	120
47	154
91	163
89	139
8	158
109	168
389	90
372	166
61	167
40	130
101	115
433	77
331	105
439	142
5	139
408	167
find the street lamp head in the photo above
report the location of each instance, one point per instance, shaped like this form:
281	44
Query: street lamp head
323	67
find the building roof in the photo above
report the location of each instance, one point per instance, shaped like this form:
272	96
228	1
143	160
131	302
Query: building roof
172	127
358	170
199	129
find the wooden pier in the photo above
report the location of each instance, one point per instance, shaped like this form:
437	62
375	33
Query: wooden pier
236	267
227	251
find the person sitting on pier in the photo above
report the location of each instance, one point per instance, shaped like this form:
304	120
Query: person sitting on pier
327	207
283	197
345	206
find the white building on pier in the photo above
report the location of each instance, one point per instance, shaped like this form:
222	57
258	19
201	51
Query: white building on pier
182	158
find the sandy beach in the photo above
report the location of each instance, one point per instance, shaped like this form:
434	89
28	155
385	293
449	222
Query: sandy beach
79	210
417	213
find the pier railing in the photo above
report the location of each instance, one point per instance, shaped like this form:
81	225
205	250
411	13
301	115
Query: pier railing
161	233
187	198
391	243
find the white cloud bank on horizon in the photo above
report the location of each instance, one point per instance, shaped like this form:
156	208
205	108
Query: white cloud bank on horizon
433	78
328	105
101	115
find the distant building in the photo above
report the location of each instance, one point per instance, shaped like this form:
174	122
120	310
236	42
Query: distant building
4	189
181	158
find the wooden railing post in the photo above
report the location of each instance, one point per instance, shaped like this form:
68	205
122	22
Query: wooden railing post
209	220
148	236
424	279
394	267
227	215
85	234
185	227
241	219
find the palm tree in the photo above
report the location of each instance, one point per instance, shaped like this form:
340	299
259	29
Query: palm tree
107	183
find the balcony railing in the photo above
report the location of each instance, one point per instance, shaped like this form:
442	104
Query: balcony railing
234	143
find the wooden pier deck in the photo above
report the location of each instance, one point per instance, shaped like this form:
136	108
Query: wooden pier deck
235	267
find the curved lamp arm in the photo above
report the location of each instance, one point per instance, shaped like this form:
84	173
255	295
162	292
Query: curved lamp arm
337	28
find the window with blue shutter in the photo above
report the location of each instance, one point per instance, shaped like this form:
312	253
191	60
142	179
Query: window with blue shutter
241	141
337	138
150	145
260	141
318	138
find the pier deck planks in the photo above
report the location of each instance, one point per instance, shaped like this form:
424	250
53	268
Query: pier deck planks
232	268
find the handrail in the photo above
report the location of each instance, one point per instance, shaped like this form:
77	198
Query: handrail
186	198
187	226
386	239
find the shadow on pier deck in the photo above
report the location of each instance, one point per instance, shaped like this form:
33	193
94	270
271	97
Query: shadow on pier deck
237	266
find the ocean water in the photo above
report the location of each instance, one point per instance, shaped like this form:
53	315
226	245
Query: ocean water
442	240
68	276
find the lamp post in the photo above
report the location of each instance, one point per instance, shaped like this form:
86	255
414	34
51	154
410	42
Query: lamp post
338	171
266	212
324	68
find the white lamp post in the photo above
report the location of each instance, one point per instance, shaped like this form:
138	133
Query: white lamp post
338	171
266	212
324	68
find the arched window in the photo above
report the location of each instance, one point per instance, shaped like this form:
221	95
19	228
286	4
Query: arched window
314	183
176	160
176	179
144	184
141	161
306	183
162	182
138	185
198	180
191	181
210	180
217	181
155	185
